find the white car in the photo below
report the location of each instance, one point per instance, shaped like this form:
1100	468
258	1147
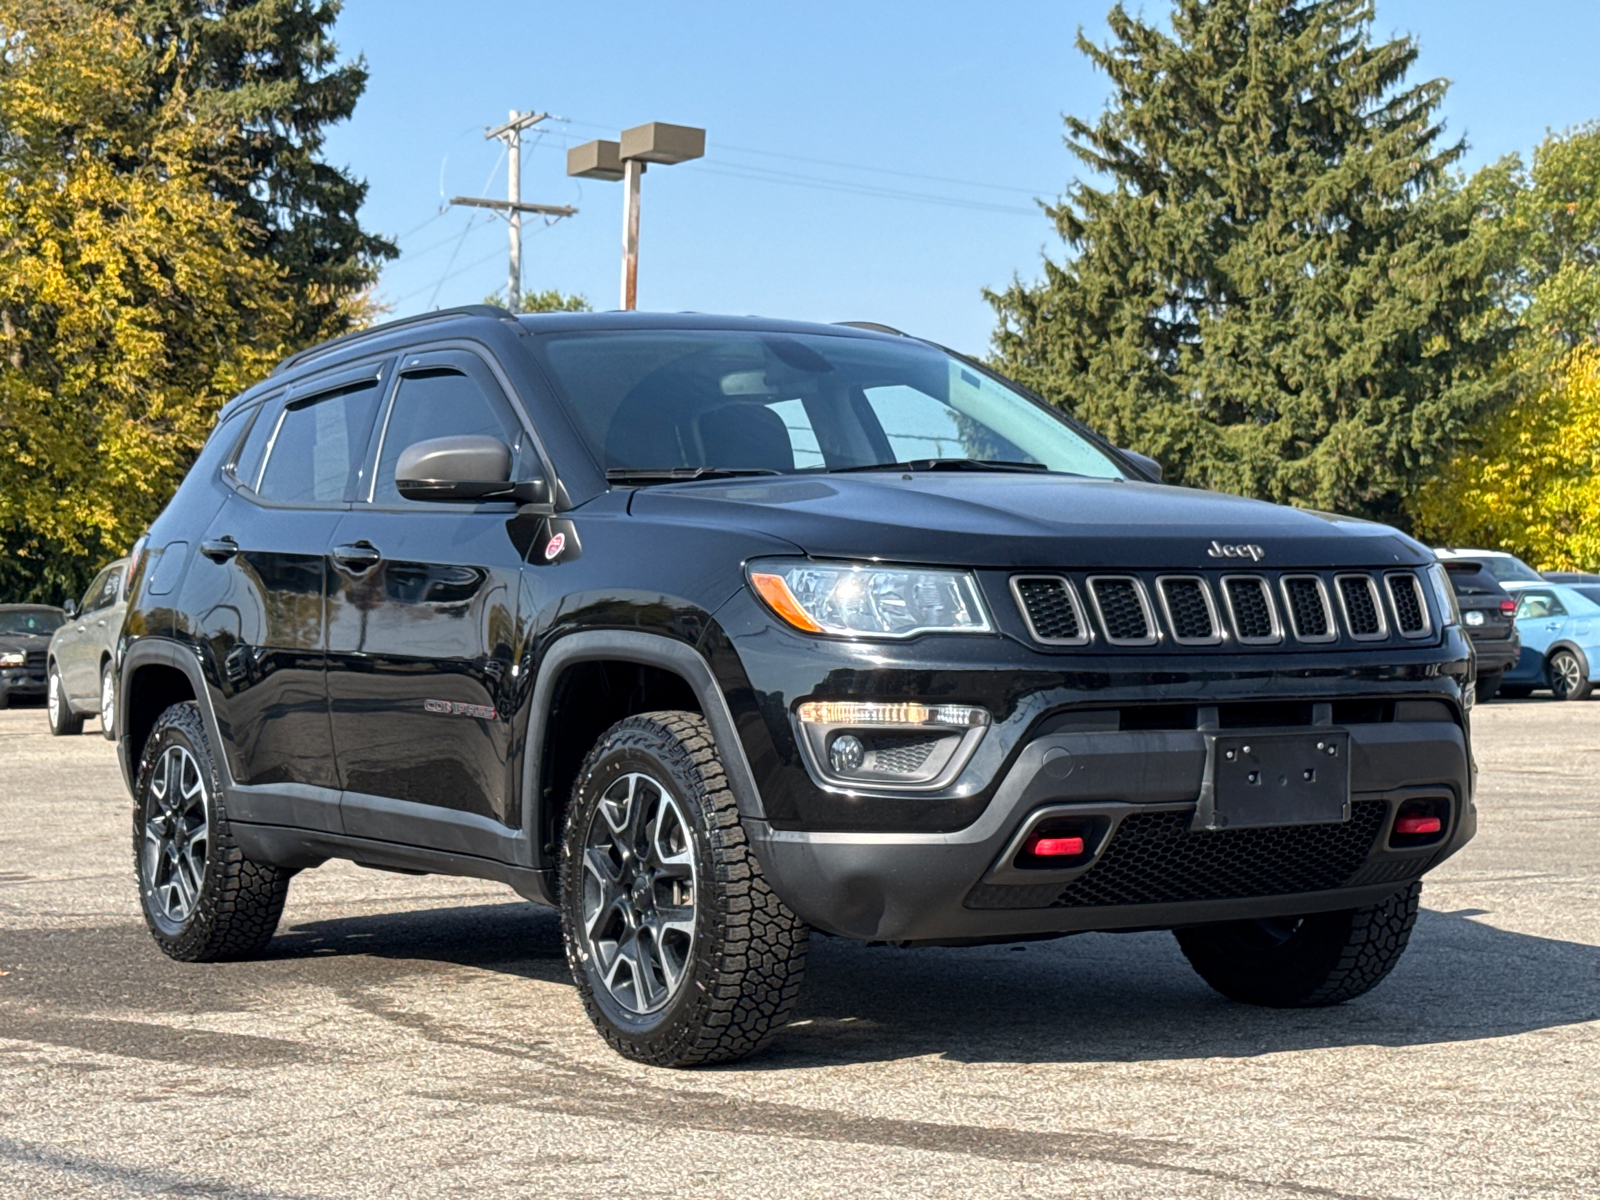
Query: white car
1506	568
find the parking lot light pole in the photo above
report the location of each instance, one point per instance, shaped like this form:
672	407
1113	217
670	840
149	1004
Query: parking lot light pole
626	160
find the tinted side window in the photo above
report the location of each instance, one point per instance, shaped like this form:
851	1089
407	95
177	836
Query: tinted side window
315	448
445	402
97	589
1539	604
247	463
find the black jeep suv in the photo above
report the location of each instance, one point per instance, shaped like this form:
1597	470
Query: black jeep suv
713	631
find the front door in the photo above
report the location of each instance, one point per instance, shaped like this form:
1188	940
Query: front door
76	659
1541	619
422	610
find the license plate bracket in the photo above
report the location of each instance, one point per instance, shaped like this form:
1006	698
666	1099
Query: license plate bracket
1261	779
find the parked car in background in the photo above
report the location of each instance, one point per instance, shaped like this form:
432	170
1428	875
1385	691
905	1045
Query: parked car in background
25	631
1488	615
1560	629
1503	567
82	676
1572	577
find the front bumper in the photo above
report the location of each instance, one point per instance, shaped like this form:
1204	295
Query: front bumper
1149	870
22	681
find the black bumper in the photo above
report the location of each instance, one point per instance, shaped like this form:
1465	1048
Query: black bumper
22	683
1496	655
1148	869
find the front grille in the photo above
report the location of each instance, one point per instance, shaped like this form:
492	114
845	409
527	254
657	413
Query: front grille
1363	616
1250	602
1153	858
900	755
1124	613
1051	607
1308	608
35	660
1189	610
1405	593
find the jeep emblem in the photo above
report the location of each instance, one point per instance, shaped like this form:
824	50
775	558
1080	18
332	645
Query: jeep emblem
1251	551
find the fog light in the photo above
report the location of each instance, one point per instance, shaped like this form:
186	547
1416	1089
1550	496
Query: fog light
846	754
1418	825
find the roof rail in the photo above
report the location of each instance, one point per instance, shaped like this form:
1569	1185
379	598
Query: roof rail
440	314
874	326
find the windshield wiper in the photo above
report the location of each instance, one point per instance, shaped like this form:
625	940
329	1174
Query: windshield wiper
680	474
946	464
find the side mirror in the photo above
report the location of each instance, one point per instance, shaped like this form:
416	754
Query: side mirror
464	467
1150	465
70	608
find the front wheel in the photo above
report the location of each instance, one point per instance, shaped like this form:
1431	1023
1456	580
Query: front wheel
681	951
1304	962
203	900
63	721
1569	676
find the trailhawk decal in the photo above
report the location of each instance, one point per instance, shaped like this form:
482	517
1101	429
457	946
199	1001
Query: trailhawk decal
455	708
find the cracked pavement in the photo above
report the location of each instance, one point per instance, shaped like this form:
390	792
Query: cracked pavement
420	1037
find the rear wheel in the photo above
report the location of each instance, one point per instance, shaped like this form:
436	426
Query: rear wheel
108	702
1568	675
63	721
1304	962
1488	685
681	952
203	900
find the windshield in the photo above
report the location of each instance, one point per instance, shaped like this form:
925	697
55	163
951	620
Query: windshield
1505	566
752	401
39	620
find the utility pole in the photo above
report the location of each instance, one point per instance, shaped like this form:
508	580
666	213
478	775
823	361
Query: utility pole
656	142
512	207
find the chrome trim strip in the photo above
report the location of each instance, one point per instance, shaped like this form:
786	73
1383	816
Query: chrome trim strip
1087	634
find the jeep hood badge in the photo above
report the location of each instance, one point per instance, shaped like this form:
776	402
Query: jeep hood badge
1251	551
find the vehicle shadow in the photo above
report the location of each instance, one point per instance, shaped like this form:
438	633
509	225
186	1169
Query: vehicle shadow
1091	998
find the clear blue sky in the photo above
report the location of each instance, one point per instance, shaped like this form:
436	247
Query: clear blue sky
955	108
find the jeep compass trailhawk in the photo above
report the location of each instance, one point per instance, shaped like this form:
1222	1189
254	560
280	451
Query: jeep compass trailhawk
712	631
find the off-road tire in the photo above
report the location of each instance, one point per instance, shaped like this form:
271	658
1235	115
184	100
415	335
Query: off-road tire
239	901
1328	958
748	956
108	713
1568	675
1488	686
58	709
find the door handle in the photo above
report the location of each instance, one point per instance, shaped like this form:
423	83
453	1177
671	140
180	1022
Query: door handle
220	549
358	556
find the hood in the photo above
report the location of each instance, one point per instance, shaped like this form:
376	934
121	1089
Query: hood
25	642
1025	520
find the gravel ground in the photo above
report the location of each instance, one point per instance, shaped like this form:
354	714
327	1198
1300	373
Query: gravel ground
419	1037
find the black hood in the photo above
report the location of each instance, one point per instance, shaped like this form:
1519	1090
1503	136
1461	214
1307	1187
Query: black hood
1026	520
26	642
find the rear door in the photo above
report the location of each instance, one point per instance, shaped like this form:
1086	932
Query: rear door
1541	619
422	610
257	588
77	652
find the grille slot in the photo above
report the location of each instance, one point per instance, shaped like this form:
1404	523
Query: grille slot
1363	611
900	755
1191	615
1049	605
1153	858
35	660
1410	612
1249	600
1310	615
1123	609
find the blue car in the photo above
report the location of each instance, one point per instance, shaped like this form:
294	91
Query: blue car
1560	628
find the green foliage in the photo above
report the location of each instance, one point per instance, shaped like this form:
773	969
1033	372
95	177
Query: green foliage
1277	291
265	76
130	304
549	300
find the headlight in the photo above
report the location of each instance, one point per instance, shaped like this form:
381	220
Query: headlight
859	600
1443	594
13	658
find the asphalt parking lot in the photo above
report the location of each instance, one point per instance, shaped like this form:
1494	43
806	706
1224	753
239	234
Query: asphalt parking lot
419	1037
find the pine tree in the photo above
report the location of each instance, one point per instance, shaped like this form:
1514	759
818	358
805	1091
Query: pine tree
266	72
1278	290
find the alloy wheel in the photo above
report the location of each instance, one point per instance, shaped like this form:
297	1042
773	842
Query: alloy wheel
52	700
176	835
639	893
108	700
1566	676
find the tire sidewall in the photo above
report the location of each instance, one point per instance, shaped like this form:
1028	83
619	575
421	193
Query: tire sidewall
108	712
185	729
1581	690
60	717
656	1032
